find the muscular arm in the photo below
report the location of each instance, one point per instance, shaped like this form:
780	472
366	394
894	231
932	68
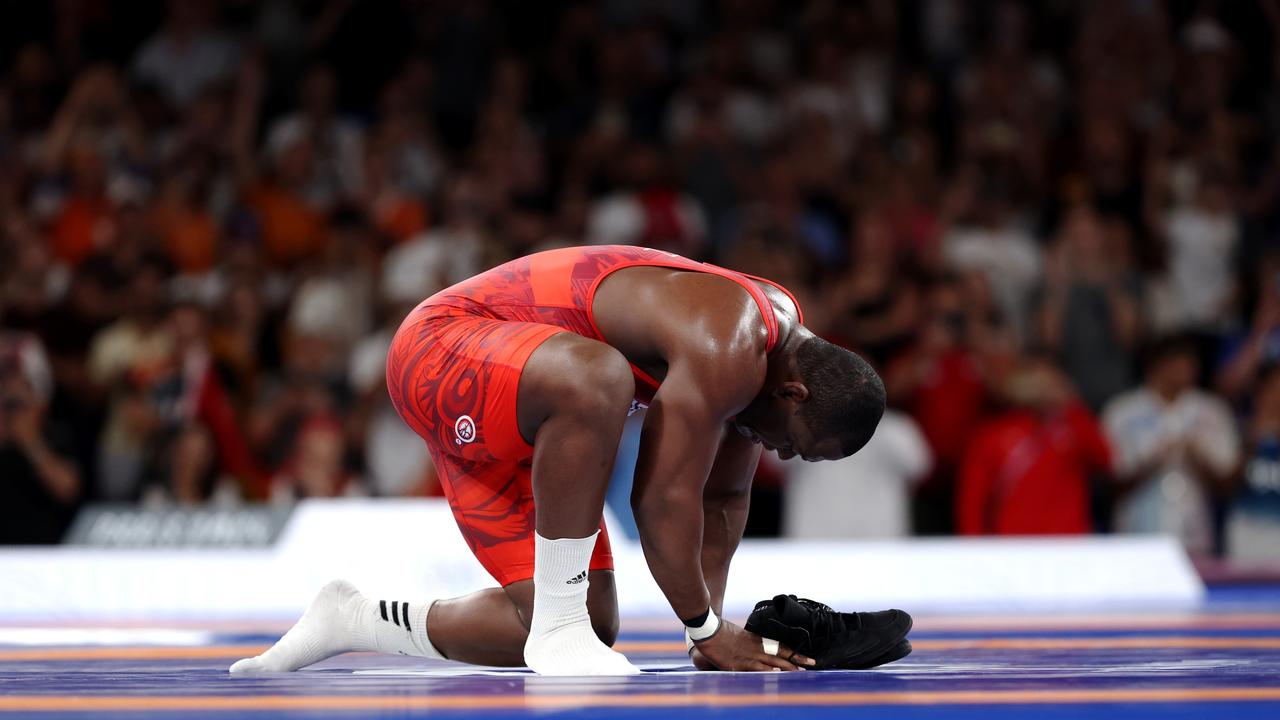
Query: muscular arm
678	447
725	502
705	383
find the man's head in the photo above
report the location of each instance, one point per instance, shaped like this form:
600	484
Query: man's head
1037	384
823	404
1172	365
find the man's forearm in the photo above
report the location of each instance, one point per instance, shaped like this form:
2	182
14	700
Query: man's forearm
671	531
679	447
726	501
722	527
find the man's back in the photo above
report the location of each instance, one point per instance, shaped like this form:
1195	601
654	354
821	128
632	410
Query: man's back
559	288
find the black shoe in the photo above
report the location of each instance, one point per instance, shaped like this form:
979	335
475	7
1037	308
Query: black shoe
846	641
896	653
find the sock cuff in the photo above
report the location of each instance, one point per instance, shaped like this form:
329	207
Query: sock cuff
422	638
568	542
561	566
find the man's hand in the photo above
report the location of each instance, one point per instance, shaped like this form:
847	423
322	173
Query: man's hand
733	648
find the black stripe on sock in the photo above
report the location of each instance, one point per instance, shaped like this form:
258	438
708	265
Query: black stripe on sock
383	605
395	612
405	612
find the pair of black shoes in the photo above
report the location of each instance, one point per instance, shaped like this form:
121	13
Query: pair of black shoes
835	640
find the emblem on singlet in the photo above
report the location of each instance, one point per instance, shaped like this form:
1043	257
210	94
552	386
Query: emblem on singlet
465	429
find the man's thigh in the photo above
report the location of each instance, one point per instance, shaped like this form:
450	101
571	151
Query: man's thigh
454	379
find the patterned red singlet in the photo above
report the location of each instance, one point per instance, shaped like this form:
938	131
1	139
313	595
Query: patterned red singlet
454	370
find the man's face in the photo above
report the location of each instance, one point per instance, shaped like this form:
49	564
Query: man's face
781	427
1177	371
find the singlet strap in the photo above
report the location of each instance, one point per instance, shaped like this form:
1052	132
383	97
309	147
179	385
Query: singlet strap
783	290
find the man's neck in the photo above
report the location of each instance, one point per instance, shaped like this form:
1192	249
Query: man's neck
1167	395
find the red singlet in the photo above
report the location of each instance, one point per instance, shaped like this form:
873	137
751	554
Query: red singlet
454	370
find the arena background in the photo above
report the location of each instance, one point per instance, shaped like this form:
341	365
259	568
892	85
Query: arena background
1053	227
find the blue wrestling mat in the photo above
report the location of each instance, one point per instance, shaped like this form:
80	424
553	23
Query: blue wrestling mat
1222	661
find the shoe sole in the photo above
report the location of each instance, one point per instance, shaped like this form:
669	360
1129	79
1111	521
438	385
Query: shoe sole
896	653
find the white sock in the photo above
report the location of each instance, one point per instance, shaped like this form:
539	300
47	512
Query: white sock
561	640
404	629
340	620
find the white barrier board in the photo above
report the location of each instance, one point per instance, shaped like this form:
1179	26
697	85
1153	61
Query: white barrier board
412	549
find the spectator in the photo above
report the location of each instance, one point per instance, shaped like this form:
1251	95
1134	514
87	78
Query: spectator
780	212
41	484
316	464
291	228
123	360
205	446
1176	447
30	279
698	124
396	458
447	254
941	382
187	54
1253	520
337	145
1089	311
403	165
865	495
988	238
335	299
1245	353
91	155
84	217
649	211
1203	234
1026	470
189	233
311	383
874	304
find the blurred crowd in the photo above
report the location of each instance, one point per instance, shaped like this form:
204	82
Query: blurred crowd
1053	226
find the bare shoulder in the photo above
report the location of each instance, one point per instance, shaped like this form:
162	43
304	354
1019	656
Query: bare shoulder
786	306
719	336
704	327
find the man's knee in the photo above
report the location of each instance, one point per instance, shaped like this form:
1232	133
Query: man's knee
577	378
597	383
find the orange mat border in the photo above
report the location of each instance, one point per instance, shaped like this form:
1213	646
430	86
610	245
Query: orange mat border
663	646
36	703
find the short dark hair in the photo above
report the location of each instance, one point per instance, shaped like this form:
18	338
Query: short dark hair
846	396
1167	346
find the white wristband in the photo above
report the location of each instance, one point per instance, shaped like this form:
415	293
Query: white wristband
705	630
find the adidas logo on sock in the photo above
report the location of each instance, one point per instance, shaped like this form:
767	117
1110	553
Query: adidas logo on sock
577	578
398	610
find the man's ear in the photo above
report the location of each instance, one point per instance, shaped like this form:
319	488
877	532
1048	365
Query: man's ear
793	390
